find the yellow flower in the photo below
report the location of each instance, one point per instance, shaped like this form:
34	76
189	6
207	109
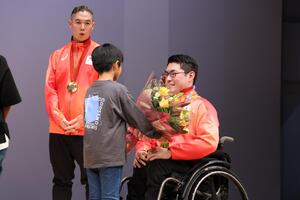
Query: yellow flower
181	116
183	123
163	91
184	114
164	103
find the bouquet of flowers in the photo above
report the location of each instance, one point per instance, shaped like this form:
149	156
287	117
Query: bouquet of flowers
167	113
164	109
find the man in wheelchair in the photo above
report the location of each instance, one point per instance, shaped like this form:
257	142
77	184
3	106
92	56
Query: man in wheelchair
153	165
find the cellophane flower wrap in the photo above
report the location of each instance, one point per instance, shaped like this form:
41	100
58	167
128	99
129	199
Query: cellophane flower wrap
168	112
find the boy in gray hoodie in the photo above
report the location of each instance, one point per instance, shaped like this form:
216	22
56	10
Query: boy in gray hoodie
108	108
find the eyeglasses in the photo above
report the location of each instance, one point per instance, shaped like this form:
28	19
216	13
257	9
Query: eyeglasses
172	74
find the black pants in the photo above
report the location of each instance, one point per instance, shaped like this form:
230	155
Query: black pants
64	151
146	181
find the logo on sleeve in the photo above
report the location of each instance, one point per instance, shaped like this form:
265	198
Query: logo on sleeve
64	58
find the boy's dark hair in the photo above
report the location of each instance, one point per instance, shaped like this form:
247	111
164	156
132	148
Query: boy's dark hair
187	63
81	9
105	56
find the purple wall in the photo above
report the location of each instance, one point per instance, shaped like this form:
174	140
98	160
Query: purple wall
236	44
145	45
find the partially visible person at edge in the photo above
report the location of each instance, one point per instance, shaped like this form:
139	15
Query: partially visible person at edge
70	72
9	96
153	163
108	108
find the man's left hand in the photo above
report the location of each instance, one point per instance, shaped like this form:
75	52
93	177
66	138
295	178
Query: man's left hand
159	153
75	124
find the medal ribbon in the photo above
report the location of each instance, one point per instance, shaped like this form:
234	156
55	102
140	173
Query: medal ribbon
189	94
74	71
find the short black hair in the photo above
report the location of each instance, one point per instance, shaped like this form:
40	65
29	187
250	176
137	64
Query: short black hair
187	63
81	9
105	56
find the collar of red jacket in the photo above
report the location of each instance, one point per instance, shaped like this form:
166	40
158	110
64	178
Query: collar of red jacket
79	45
187	90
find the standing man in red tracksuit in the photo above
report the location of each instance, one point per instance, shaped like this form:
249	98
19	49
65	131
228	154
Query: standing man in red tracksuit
70	72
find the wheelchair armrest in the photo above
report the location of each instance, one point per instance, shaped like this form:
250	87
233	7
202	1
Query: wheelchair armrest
226	139
223	140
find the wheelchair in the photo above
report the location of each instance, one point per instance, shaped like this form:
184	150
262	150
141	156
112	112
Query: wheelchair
210	179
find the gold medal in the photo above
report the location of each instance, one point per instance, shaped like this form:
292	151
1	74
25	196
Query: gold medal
74	67
72	87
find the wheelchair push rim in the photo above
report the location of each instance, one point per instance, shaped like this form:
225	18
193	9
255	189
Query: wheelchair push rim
222	172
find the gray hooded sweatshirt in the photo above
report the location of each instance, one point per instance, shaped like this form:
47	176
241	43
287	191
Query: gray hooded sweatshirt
108	110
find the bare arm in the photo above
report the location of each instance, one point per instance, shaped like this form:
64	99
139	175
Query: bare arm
5	111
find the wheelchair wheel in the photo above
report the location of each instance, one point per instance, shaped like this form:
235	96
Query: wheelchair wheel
216	183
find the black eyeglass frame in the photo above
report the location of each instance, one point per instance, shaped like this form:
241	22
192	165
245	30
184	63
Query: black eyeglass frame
171	74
